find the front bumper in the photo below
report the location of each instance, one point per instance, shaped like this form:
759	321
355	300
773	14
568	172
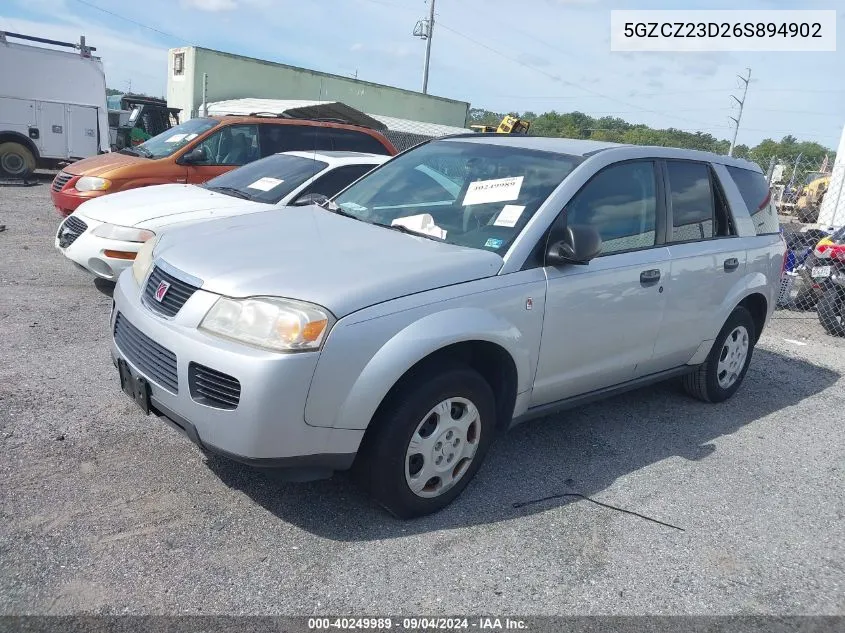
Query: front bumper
267	427
67	199
89	251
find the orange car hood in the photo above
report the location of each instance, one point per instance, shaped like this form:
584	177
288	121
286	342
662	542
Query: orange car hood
103	163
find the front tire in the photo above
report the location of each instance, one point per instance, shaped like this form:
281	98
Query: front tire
724	370
428	441
16	160
831	308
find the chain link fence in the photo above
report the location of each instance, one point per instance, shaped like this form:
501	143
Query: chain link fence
809	195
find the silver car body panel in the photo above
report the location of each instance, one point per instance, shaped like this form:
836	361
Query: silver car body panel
570	330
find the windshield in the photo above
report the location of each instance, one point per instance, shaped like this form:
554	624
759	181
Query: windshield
468	193
268	179
173	139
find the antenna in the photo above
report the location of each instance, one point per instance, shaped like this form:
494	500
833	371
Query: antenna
424	29
746	80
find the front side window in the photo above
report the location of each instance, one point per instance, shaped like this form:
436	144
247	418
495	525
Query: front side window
693	206
267	180
463	192
620	202
172	140
232	145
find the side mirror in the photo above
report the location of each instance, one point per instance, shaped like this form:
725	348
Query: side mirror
310	198
573	245
196	155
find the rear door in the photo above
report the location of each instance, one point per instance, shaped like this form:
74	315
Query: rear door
707	259
52	129
82	126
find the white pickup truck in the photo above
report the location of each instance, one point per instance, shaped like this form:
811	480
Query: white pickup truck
52	104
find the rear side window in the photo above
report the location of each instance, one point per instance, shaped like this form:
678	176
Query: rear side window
288	138
291	138
336	180
755	192
352	141
693	204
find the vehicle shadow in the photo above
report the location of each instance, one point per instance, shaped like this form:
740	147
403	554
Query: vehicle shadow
579	451
104	286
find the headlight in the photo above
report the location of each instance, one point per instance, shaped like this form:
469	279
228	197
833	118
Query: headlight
278	324
143	261
92	183
123	233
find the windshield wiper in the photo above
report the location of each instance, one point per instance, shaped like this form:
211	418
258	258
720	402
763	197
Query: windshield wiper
404	229
232	191
129	151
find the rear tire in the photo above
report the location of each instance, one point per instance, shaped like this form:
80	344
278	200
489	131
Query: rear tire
831	308
428	441
724	370
16	160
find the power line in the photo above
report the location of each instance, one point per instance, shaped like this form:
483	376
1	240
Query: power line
142	25
564	81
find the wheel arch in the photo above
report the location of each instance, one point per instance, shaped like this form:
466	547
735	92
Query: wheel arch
8	136
487	342
758	306
492	361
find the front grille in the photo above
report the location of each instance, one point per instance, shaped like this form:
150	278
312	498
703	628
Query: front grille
156	362
175	296
70	229
213	388
61	180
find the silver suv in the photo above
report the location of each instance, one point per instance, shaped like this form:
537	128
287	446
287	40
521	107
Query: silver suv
466	285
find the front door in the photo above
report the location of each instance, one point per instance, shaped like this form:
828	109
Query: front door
602	319
229	147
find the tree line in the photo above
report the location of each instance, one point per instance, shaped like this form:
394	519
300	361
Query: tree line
616	130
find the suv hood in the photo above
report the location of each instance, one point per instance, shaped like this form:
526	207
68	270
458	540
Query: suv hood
311	254
151	207
102	164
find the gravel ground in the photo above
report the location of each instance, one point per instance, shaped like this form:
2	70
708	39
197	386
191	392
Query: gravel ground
103	510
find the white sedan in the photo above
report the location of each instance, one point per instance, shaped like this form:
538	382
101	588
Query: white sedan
104	234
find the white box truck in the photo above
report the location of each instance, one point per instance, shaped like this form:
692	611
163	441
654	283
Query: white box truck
52	104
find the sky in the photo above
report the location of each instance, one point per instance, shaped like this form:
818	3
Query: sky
501	55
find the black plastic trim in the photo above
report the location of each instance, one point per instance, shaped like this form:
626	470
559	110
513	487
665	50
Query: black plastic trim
600	394
323	461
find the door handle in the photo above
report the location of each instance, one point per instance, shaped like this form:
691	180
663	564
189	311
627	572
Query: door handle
731	263
648	277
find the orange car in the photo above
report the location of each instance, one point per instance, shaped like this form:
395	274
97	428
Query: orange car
202	148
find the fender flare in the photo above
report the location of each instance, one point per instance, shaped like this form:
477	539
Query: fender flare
419	340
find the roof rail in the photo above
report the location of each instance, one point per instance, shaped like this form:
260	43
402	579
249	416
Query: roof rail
81	46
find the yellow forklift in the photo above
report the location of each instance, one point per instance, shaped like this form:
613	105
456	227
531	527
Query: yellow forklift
508	125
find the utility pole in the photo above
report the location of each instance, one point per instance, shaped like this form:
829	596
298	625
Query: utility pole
424	29
746	80
204	107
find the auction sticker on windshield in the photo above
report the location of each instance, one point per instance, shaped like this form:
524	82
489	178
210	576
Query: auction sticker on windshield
175	138
498	190
509	215
265	184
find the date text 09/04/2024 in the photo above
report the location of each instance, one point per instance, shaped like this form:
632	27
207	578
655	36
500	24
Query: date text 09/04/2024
417	624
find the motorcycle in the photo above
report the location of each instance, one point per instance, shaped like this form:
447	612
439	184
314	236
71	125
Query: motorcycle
830	278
